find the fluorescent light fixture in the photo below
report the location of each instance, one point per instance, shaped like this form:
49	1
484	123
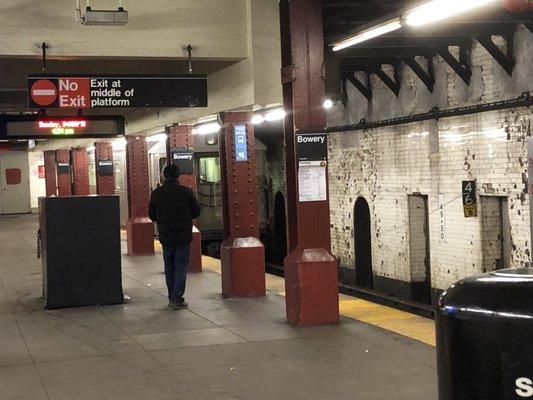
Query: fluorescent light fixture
204	129
328	103
275	115
258	119
438	10
160	137
368	34
119	144
90	149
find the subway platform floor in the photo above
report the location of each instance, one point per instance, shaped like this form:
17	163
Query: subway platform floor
219	349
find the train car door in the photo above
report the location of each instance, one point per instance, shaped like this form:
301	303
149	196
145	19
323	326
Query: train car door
14	183
210	196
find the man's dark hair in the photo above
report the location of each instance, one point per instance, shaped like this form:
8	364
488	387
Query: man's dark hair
171	172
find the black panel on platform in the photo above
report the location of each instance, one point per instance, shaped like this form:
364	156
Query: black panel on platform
81	251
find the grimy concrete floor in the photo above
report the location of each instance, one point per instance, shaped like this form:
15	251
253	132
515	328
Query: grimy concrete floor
218	349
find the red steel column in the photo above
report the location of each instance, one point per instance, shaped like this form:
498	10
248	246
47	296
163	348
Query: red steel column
64	180
105	182
181	137
311	272
140	229
50	172
80	171
242	253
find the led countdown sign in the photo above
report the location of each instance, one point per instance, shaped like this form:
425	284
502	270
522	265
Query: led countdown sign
35	127
62	127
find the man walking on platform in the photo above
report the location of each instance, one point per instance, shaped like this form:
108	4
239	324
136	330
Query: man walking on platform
173	207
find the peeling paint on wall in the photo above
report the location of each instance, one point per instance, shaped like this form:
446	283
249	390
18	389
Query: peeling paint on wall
431	158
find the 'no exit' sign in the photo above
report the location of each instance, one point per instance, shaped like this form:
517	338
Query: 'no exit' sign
116	91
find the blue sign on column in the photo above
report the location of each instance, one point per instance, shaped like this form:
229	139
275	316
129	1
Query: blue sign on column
241	151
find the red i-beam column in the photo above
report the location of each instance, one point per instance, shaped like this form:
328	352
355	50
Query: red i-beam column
105	171
140	229
311	280
242	253
181	143
80	171
50	172
64	180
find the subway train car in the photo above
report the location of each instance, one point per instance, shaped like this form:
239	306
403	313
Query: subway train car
207	167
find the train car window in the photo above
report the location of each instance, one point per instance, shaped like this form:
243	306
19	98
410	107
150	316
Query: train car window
209	169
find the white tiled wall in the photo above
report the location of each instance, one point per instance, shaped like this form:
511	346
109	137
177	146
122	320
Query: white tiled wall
387	164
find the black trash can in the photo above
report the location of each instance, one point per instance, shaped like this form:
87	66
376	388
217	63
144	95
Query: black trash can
485	337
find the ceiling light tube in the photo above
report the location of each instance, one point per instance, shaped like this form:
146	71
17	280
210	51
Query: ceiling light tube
370	33
275	115
438	10
257	119
205	129
160	137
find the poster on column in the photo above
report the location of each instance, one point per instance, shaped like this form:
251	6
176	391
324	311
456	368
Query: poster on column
312	155
312	185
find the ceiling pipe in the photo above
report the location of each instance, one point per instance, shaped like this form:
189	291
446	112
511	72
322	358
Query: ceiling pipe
518	5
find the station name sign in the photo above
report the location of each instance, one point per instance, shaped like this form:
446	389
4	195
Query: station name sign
312	146
183	158
86	92
37	127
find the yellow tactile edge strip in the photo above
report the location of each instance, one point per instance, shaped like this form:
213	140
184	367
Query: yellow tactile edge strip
401	322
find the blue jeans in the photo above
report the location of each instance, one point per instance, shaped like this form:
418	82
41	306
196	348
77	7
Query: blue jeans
176	259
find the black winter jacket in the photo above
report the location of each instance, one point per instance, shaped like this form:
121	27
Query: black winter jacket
173	207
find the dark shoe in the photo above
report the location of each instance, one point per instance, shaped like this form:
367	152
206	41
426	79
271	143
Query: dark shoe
180	305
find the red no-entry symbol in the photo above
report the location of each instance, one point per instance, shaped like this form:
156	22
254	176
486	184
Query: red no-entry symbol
44	92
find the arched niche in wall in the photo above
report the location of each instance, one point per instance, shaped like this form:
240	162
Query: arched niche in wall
363	244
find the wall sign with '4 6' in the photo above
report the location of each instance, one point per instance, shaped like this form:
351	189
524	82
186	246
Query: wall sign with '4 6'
469	198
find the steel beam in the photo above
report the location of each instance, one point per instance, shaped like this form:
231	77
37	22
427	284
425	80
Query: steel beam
460	67
105	182
140	229
181	137
64	179
365	90
80	172
50	172
505	60
427	77
310	270
393	84
242	254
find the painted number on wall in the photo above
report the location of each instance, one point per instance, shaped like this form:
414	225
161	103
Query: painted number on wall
442	219
469	198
